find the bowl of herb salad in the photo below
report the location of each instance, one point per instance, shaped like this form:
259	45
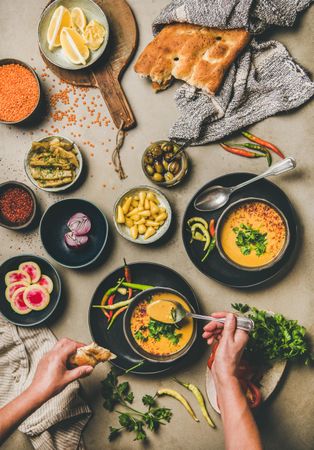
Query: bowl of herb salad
154	340
252	234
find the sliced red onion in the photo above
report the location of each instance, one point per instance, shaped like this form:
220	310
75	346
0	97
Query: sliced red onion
80	224
74	241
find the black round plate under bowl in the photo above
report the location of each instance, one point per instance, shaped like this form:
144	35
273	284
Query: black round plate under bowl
34	317
214	266
144	273
53	227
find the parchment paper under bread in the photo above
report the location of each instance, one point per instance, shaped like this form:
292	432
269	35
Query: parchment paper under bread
263	81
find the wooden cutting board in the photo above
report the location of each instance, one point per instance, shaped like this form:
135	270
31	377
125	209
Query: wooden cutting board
107	72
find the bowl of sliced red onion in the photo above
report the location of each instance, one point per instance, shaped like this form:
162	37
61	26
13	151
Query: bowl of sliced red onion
74	232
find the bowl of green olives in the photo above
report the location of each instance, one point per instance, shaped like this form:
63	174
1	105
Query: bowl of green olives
160	166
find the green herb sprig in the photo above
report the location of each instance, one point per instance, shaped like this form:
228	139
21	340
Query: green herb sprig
248	239
274	337
132	420
156	330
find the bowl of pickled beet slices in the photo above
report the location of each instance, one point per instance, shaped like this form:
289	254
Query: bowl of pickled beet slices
30	290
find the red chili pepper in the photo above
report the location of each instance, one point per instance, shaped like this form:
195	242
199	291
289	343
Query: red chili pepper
266	144
128	278
256	147
110	302
212	355
252	393
240	151
116	314
212	227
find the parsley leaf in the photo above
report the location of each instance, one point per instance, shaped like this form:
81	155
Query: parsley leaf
157	329
274	337
130	419
248	239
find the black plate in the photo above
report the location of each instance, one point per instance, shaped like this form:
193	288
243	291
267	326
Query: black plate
34	317
53	227
214	266
143	273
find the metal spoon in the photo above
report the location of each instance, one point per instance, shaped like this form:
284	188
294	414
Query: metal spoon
215	197
178	313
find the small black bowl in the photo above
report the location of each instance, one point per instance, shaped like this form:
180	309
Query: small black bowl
34	317
132	341
5	223
53	227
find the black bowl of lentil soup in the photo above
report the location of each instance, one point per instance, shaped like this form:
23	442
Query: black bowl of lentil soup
20	91
17	205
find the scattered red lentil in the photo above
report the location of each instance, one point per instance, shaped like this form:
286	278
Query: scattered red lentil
19	92
16	205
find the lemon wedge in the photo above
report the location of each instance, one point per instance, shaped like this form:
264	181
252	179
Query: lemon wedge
78	18
74	46
60	18
94	34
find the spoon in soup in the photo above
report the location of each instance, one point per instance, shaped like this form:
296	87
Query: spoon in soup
171	312
215	197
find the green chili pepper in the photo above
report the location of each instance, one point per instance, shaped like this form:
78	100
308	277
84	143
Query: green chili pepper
210	248
115	305
199	397
139	287
197	219
180	398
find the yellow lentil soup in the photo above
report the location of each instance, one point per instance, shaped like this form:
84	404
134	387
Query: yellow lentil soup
157	338
253	234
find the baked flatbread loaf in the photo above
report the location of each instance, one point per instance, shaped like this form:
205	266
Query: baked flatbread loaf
91	355
192	53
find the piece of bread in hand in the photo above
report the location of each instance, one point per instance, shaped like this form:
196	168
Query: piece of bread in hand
192	53
91	355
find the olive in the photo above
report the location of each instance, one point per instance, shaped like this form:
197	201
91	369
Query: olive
158	177
149	170
158	167
167	147
156	151
174	167
168	176
168	156
148	159
165	164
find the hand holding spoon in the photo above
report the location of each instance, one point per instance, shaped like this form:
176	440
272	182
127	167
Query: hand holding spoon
170	311
215	197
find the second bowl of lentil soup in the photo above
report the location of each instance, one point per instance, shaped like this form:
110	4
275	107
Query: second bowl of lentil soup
252	234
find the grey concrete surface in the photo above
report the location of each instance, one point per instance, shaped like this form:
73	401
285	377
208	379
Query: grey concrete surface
287	420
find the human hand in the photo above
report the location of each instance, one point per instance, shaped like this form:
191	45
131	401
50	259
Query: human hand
232	342
52	374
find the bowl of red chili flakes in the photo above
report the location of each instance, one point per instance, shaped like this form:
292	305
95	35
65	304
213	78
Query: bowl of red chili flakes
17	206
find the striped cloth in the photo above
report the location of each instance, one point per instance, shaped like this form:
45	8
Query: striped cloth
58	424
263	81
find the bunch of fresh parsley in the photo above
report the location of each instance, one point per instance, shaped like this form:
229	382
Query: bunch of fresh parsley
157	329
248	239
132	420
274	337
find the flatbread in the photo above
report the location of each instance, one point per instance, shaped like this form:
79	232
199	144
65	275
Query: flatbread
192	53
91	355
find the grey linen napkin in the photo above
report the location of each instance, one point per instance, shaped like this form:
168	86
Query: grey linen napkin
262	82
58	424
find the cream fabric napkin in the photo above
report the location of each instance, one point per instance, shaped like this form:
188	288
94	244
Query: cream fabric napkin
58	424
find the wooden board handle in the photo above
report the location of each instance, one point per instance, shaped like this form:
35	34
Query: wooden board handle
115	99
